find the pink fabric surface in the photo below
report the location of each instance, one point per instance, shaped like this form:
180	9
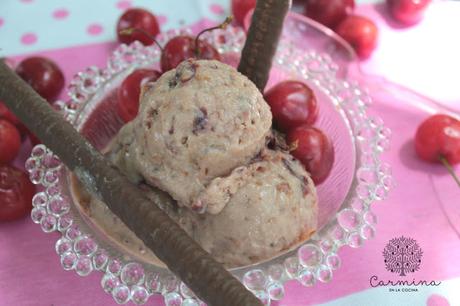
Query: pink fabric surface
423	205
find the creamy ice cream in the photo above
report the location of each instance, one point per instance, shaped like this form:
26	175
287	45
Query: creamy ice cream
271	206
201	137
196	123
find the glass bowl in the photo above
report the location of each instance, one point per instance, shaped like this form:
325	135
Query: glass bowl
358	177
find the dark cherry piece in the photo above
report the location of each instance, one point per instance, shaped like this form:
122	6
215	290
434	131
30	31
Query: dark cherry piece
43	75
439	136
329	12
240	8
6	114
181	48
16	192
407	12
361	33
137	18
10	142
313	149
293	103
130	90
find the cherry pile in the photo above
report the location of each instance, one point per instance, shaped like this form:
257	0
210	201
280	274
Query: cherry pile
135	24
359	31
437	140
295	110
16	191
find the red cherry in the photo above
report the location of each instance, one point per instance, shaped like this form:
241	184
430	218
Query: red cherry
10	142
16	192
6	114
180	48
439	136
240	8
293	103
360	32
43	75
130	90
313	149
329	12
408	12
141	19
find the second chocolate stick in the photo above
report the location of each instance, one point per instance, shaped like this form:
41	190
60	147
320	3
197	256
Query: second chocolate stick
262	40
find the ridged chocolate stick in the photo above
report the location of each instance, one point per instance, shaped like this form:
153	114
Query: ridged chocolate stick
262	40
183	256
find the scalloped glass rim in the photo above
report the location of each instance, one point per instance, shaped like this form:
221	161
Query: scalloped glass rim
311	261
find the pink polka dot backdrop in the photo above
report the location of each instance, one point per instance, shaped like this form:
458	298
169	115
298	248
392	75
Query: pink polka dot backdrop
61	13
94	29
437	300
217	9
2	21
124	4
29	38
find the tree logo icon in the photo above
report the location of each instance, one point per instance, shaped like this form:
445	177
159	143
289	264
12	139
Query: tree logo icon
402	255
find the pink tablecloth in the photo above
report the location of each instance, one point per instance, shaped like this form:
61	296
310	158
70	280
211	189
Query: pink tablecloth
424	205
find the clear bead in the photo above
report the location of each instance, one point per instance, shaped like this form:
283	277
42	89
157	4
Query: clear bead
324	274
109	282
48	223
292	267
121	294
63	245
68	260
348	219
85	245
173	299
40	199
84	266
355	240
307	277
275	272
255	280
114	267
37	214
309	255
100	260
132	274
275	291
139	295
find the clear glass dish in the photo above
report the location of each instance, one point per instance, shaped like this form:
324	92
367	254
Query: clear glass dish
306	52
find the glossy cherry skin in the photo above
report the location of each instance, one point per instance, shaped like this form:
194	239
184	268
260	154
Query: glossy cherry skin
329	12
407	12
10	142
6	114
240	8
45	77
313	149
361	33
137	18
180	48
292	103
16	192
130	90
438	136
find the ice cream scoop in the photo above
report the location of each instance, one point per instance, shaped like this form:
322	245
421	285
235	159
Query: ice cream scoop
195	123
271	206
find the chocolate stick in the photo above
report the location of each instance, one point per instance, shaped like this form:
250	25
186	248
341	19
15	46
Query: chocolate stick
262	40
183	256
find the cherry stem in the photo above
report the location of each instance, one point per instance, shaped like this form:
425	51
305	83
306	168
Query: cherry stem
449	168
130	31
222	26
